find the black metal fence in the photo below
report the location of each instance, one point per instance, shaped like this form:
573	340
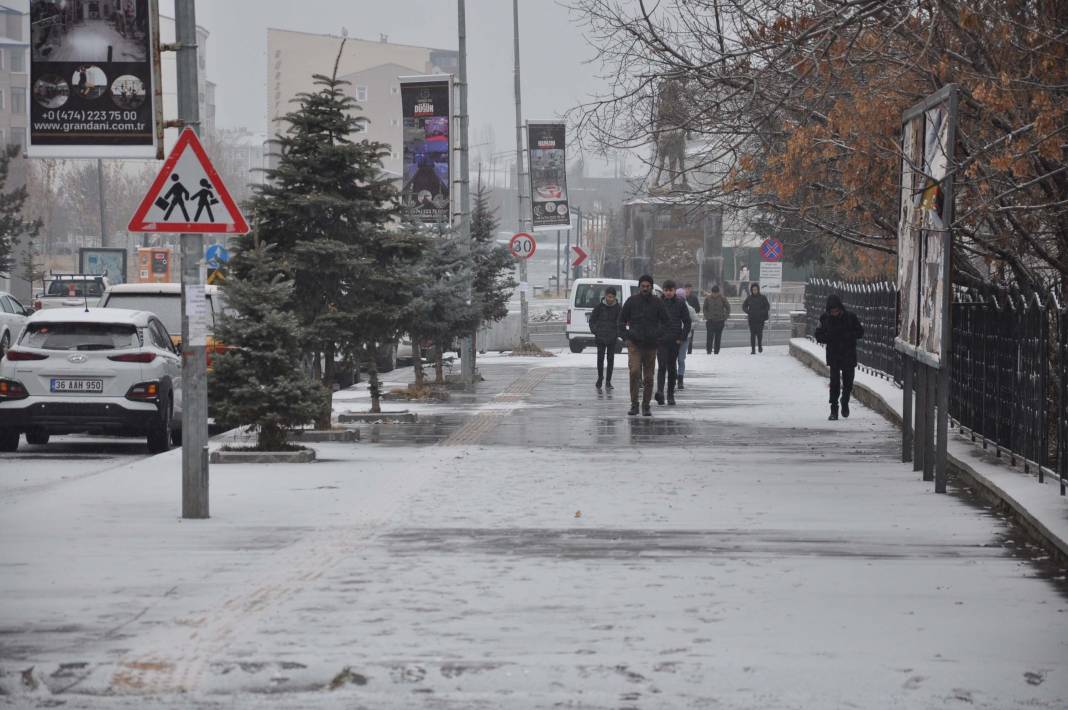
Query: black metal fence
1009	386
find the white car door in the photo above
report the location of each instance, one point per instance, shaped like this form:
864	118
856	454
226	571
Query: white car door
172	362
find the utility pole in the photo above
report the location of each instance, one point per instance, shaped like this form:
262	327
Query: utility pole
467	348
100	190
523	216
194	354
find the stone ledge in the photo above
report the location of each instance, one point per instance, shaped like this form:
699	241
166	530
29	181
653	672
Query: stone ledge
405	417
321	435
302	456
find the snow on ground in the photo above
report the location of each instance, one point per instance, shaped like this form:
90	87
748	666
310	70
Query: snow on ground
736	551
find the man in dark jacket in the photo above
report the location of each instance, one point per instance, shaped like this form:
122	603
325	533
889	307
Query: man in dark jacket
672	337
640	324
840	330
717	311
695	303
604	324
757	309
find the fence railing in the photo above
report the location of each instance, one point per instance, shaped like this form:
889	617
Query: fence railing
1009	385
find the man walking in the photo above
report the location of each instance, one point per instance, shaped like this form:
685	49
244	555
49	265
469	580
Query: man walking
604	324
691	298
757	309
640	323
840	330
672	337
717	311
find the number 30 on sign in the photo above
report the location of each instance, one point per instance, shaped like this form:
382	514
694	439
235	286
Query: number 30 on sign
523	246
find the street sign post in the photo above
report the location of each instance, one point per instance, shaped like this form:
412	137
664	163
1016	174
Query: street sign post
523	245
580	256
771	250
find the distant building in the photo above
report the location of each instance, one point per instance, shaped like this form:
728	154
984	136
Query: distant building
370	67
14	80
205	88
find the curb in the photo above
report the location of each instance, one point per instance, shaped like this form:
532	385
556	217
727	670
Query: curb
320	436
302	456
987	489
384	417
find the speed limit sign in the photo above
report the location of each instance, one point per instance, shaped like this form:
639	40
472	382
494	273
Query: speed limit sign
523	246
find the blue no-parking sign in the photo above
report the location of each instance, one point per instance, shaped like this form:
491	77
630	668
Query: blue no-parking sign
771	250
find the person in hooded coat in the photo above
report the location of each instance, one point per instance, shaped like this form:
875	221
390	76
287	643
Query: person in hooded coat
604	324
757	310
840	330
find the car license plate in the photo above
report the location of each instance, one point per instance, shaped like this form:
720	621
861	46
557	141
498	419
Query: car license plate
77	385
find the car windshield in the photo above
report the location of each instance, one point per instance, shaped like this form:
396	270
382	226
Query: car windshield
589	295
76	289
81	336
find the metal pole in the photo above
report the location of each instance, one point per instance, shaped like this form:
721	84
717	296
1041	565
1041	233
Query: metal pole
929	424
558	263
194	357
921	415
578	242
523	215
567	264
100	189
467	347
943	431
906	409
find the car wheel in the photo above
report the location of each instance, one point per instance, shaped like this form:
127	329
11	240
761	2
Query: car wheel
37	437
5	343
9	440
159	436
576	346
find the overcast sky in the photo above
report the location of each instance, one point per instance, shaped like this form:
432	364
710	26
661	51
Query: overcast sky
555	76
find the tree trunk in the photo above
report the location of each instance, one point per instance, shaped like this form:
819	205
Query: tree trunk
439	364
271	438
417	361
372	380
325	414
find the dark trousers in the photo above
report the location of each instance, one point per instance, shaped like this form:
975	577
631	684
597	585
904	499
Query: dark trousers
605	351
756	335
642	363
842	383
667	355
713	335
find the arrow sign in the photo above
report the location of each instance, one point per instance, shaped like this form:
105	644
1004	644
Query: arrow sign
188	196
580	256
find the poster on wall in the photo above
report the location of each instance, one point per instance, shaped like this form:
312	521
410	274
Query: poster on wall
105	262
91	79
427	180
548	174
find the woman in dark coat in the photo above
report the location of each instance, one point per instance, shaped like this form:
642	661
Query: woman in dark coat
604	324
840	330
757	309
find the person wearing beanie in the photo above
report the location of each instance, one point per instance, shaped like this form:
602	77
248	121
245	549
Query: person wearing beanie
840	330
641	322
757	309
604	324
672	340
717	311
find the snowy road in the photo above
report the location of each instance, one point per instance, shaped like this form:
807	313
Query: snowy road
534	547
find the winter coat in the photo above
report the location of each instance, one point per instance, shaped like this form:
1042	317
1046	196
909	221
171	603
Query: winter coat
717	308
604	322
757	308
679	323
694	303
840	335
642	320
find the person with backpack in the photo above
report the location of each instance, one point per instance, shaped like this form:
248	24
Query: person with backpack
840	330
757	310
717	311
604	324
641	322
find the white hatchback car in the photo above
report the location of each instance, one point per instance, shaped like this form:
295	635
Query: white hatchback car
99	371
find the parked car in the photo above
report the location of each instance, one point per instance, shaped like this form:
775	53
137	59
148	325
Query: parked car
70	290
585	295
12	317
97	371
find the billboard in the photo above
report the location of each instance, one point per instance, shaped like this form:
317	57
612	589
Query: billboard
105	262
91	80
548	174
924	237
427	180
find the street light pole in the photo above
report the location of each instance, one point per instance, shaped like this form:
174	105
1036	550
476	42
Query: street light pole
524	328
194	350
467	348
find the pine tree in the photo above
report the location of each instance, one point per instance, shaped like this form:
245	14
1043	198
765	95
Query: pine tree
326	207
12	223
494	265
257	381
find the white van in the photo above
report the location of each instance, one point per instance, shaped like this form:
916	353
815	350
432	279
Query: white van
587	293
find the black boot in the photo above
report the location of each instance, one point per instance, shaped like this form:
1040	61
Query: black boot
608	385
845	407
633	409
659	397
679	385
599	382
834	413
671	399
646	411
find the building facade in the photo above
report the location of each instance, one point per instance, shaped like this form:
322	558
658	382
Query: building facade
14	81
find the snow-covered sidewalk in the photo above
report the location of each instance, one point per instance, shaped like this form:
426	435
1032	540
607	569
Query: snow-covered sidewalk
735	551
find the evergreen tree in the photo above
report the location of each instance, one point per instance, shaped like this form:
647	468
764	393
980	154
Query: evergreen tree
12	223
326	207
493	263
257	381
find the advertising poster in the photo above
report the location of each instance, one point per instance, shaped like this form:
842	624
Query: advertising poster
908	238
548	174
427	179
91	93
105	262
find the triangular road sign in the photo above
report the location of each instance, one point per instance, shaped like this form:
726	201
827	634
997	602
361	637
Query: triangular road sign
188	196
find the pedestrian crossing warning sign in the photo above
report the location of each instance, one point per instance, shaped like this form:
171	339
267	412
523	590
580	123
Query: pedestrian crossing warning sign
188	196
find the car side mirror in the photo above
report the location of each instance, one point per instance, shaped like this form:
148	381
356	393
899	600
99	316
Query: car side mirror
28	310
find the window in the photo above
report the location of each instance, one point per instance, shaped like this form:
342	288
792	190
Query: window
1	99
1	59
18	61
19	308
18	99
5	305
361	127
75	289
81	336
156	331
361	93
